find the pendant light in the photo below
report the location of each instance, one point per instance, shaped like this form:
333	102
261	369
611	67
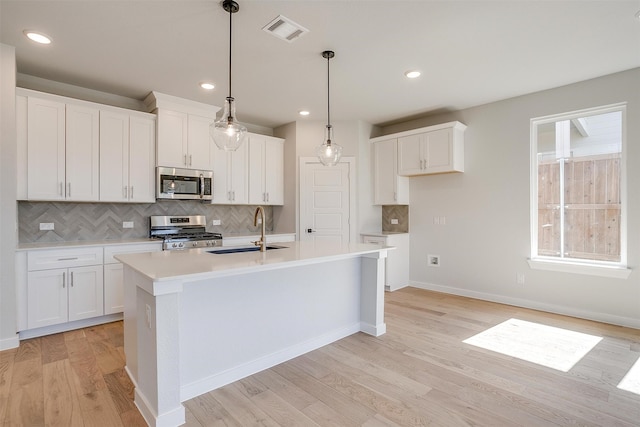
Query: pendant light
227	132
329	152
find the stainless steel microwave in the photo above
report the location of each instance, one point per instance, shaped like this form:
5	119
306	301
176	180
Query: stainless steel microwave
184	184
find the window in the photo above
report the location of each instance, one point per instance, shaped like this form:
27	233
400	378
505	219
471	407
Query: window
578	188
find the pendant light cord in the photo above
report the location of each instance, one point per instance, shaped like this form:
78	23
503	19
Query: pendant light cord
328	97
230	34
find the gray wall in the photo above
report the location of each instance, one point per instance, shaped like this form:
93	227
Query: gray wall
485	242
8	337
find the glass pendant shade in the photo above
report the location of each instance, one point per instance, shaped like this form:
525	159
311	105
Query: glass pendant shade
227	133
329	153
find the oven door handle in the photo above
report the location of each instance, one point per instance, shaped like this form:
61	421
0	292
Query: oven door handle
201	186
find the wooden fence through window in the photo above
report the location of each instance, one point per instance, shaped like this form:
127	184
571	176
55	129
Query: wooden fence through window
592	208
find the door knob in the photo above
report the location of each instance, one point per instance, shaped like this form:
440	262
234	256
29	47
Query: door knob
310	230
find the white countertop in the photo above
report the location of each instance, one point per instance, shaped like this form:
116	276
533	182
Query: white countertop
382	233
199	264
80	243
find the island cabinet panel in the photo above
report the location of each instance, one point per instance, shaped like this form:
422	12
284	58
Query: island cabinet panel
195	321
266	170
388	187
431	150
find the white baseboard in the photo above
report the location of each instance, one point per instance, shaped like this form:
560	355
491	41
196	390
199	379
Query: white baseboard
69	326
175	417
535	305
204	385
9	343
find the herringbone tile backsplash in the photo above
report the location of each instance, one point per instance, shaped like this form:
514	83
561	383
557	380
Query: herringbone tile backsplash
399	212
103	221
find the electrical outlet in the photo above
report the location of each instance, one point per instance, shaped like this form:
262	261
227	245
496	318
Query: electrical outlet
443	220
127	224
520	278
216	222
436	220
259	220
46	226
394	221
433	260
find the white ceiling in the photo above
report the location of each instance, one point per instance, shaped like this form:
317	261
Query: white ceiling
470	52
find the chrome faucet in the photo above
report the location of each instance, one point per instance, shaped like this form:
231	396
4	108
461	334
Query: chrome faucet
262	242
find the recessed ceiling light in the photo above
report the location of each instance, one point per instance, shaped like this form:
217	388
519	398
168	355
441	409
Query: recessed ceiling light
37	37
412	74
303	112
207	85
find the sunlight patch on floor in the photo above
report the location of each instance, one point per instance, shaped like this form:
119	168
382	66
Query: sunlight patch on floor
548	346
631	381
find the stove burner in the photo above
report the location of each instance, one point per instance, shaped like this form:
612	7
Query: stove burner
183	232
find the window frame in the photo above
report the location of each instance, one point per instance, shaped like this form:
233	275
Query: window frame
572	265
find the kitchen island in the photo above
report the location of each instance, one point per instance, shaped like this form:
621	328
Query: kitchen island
196	320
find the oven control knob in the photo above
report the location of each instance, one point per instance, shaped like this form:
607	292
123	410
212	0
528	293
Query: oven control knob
173	245
181	245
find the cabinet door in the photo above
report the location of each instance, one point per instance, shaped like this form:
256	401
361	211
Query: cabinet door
142	159
114	156
113	288
172	138
45	149
438	151
200	146
82	151
273	171
85	292
221	192
256	176
384	172
410	157
239	174
46	297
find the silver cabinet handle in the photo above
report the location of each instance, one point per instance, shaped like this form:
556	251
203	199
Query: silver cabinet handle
68	259
185	160
64	276
69	189
124	192
190	159
395	196
61	189
131	192
71	281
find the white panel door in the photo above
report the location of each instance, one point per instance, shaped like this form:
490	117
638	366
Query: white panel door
47	297
82	153
325	198
172	138
438	151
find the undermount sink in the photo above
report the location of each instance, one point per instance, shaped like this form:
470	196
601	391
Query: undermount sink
243	249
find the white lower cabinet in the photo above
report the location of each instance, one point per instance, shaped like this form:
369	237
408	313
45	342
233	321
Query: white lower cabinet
57	286
397	263
114	276
58	295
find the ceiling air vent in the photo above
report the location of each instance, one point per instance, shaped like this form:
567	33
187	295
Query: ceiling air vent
285	29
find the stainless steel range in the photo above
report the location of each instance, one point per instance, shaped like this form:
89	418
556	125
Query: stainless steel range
183	232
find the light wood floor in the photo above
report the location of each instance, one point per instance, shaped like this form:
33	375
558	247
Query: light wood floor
418	373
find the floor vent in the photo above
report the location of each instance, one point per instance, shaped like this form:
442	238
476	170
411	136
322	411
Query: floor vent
285	29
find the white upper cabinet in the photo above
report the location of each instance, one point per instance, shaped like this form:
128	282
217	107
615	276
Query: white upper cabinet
388	187
127	157
431	150
62	151
230	183
266	170
75	150
183	131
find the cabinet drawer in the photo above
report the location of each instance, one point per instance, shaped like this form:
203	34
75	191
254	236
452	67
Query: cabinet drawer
62	258
378	240
111	251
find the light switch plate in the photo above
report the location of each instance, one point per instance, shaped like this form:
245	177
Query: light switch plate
127	224
46	226
217	222
394	221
